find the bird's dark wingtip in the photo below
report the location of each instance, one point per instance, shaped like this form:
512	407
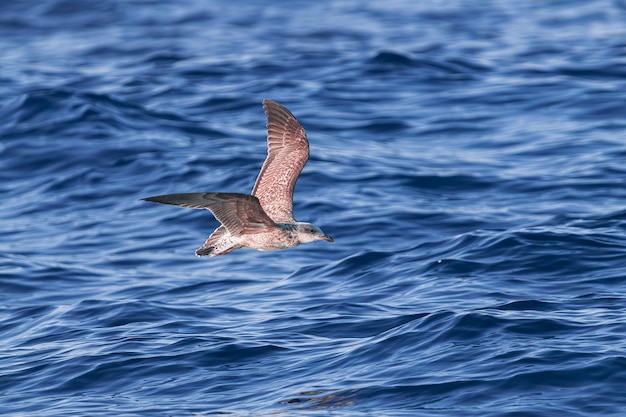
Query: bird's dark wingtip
160	199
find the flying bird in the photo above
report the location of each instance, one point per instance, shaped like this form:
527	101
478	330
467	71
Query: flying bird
263	220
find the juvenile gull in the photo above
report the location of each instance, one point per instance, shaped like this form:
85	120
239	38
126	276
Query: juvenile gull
264	220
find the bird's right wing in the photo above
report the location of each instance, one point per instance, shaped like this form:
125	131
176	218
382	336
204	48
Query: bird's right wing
287	153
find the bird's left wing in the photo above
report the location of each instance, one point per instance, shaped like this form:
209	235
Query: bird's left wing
239	213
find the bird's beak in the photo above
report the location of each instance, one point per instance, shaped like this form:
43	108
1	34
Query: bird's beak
328	238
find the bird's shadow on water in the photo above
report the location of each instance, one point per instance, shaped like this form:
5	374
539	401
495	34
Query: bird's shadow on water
320	399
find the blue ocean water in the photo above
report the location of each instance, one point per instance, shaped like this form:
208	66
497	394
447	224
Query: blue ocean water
468	158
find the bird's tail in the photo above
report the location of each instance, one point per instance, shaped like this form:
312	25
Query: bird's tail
217	244
212	251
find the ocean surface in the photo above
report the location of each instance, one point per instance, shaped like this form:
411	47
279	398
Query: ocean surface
468	157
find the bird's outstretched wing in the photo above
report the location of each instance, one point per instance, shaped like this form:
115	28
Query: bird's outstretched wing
239	213
287	153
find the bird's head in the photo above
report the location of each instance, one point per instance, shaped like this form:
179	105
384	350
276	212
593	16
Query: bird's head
309	233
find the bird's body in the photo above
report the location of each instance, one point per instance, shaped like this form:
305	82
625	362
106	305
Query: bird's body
264	220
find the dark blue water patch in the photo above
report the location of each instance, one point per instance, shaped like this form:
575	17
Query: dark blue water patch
385	62
466	159
524	305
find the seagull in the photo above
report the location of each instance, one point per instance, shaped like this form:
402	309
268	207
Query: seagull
263	220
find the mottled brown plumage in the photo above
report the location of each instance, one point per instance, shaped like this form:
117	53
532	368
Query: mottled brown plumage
287	153
263	220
